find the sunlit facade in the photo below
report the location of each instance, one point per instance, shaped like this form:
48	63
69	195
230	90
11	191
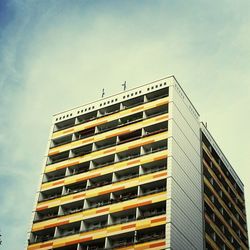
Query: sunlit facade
126	172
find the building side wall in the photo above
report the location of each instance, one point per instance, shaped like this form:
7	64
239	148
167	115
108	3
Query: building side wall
185	173
224	213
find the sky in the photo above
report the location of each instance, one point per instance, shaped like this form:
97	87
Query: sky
58	54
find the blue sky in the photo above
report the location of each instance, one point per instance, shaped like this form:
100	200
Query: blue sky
58	54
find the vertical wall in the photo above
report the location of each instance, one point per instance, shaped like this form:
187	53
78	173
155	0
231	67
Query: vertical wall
185	220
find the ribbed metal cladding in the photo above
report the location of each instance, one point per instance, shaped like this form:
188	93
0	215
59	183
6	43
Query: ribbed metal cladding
184	173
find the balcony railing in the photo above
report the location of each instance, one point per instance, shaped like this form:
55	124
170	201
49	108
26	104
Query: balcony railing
99	204
95	247
57	160
120	125
151	213
48	216
124	220
104	203
155	169
152	236
155	235
51	197
105	146
123	243
54	178
96	185
73	210
43	238
155	190
77	190
99	184
111	162
97	226
128	176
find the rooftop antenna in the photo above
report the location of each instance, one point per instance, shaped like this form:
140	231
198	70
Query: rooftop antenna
103	93
124	85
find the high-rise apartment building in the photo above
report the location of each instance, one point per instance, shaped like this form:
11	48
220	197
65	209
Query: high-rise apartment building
224	204
137	170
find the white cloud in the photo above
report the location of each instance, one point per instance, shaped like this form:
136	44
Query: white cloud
69	54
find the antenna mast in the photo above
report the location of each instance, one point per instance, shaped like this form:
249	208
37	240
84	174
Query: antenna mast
124	85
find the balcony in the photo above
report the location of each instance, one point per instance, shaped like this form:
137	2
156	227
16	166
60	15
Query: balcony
109	110
151	210
157	111
50	194
103	161
107	179
42	235
64	124
105	143
156	128
126	174
68	229
153	187
100	181
78	169
55	175
98	244
87	117
156	146
154	166
102	112
133	102
150	234
80	151
161	93
131	119
58	158
108	126
124	138
123	216
71	208
130	136
126	194
128	154
84	133
95	223
46	214
61	141
71	247
121	240
97	201
75	188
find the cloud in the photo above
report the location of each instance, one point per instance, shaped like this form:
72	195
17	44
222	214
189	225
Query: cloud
60	54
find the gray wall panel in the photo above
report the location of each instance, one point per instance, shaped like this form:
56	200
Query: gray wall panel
188	207
179	242
185	128
187	144
183	170
184	184
186	226
184	108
